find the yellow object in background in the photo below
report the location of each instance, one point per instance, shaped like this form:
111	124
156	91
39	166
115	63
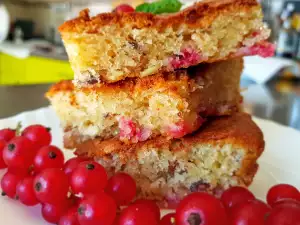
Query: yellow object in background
296	21
33	70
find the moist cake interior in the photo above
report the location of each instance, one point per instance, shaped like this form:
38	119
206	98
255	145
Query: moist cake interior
167	177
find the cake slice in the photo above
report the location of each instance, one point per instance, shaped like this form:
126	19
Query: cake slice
222	153
170	104
112	46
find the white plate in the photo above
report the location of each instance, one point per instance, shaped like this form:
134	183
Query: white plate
278	164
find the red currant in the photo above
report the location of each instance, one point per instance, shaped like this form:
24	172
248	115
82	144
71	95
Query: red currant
69	218
51	186
97	209
75	200
117	221
124	8
9	184
286	202
88	178
52	213
138	214
72	163
288	215
236	195
21	172
122	188
18	153
201	208
2	146
168	219
282	191
249	213
48	157
25	192
151	205
38	134
7	134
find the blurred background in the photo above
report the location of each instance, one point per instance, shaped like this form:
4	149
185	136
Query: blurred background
32	56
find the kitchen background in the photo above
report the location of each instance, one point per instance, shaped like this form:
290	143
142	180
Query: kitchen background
32	56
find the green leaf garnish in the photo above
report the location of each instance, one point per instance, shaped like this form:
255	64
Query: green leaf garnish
159	7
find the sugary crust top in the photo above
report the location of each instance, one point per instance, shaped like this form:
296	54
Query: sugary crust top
200	15
238	130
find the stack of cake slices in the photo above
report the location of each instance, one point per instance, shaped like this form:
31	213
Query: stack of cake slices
158	96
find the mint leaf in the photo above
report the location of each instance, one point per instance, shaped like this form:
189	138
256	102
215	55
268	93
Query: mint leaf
145	7
159	7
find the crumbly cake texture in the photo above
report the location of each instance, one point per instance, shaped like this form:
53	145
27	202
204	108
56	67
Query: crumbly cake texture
170	104
112	46
222	153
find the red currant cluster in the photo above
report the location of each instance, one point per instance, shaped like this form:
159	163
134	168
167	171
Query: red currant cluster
79	192
282	208
76	192
238	206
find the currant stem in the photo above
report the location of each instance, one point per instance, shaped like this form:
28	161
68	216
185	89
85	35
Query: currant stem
18	128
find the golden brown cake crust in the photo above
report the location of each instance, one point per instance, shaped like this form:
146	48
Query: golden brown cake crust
237	130
209	71
201	14
129	84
